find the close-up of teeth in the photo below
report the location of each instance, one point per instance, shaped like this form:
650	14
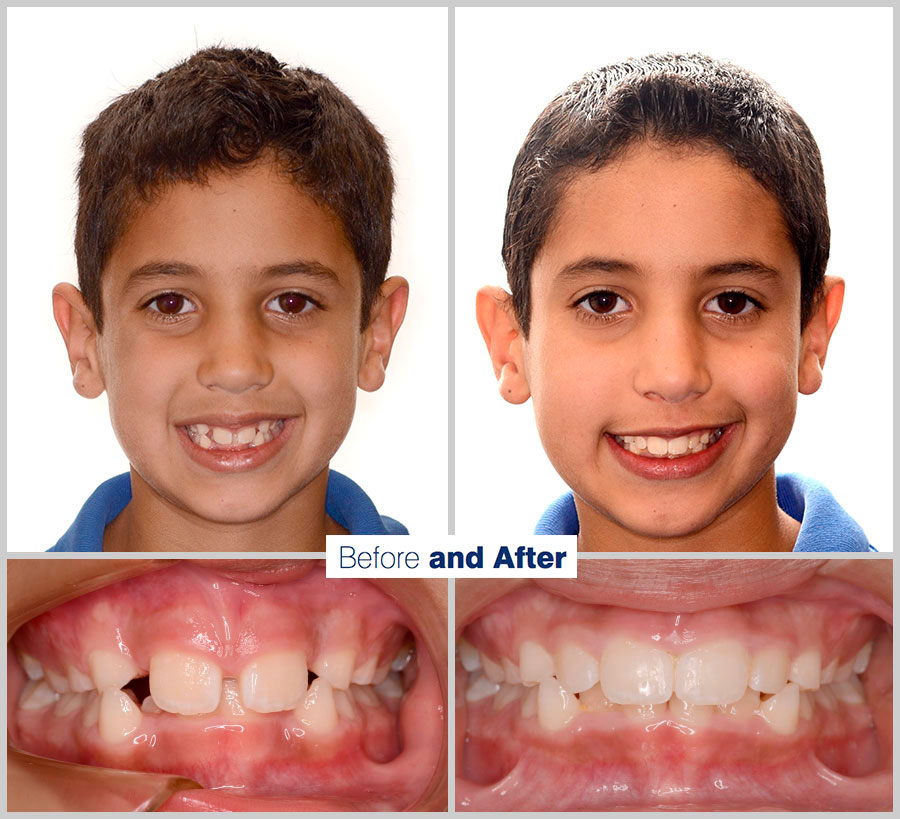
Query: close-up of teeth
252	435
653	446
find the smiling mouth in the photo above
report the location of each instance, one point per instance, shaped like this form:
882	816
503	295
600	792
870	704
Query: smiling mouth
235	438
783	702
654	446
297	691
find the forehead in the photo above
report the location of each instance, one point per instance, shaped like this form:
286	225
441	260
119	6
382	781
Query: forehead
668	211
232	226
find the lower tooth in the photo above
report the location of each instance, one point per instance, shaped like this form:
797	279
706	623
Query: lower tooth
317	713
480	687
782	710
68	703
650	712
119	717
529	705
230	703
364	695
826	699
806	706
391	686
36	695
692	714
595	700
343	705
150	707
204	442
745	707
850	692
508	693
556	707
91	711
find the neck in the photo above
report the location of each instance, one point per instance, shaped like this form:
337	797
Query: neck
152	523
755	523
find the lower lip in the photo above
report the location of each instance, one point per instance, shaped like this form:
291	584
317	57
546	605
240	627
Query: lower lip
236	460
668	469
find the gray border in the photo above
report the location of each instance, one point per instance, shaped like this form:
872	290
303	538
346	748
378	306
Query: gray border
451	271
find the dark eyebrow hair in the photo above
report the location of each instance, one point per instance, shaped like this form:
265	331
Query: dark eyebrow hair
743	266
156	269
596	264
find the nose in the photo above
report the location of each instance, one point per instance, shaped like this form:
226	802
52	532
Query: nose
672	361
234	357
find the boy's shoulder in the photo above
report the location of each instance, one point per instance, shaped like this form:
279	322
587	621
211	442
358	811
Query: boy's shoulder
824	525
345	502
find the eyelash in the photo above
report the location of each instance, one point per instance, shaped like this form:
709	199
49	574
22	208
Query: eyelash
587	314
151	306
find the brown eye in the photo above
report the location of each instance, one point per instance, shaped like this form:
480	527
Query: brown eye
171	304
291	303
732	304
604	302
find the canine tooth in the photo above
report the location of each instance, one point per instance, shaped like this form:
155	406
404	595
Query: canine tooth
391	686
182	683
202	428
150	707
782	710
529	704
704	437
119	716
535	664
843	672
806	670
861	662
480	687
493	671
259	439
344	705
595	700
678	446
806	706
204	442
508	693
640	442
826	699
221	435
365	673
68	703
713	674
111	669
657	446
91	710
336	667
317	712
556	707
79	681
246	434
576	670
230	701
828	672
628	439
745	707
36	695
274	682
693	441
58	682
264	426
769	670
380	674
634	674
510	671
365	695
32	668
850	691
403	658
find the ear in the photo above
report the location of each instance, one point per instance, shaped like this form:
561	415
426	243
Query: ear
378	338
79	332
503	336
817	334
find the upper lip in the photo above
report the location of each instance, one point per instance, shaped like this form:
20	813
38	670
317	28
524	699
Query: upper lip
231	420
670	432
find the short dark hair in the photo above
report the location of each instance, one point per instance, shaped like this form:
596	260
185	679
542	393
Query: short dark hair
225	108
677	100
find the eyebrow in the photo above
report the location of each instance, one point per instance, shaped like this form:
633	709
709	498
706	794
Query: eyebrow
596	264
298	267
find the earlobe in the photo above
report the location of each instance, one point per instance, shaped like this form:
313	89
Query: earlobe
79	332
503	337
378	338
817	335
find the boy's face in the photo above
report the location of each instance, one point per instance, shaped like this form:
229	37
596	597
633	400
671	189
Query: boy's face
666	304
231	346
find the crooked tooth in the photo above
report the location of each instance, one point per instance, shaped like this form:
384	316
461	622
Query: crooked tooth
246	434
493	671
769	670
58	682
202	428
68	703
806	706
150	707
529	704
264	426
595	700
828	672
365	673
576	670
182	683
344	705
704	437
111	669
782	710
508	693
850	691
36	695
336	667
713	674
119	716
744	708
861	662
274	682
318	713
78	681
480	687
391	686
230	702
33	669
844	672
222	436
556	707
535	663
365	695
635	674
511	671
259	439
404	657
468	656
806	670
826	699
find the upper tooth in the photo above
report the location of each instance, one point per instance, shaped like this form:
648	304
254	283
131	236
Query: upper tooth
33	669
535	664
633	674
221	435
79	681
274	681
230	703
844	672
806	670
782	710
595	700
678	446
861	663
493	671
317	711
468	656
365	673
555	707
828	672
576	669
91	711
511	671
365	695
185	683
391	686
657	446
246	435
59	683
850	691
769	670
111	669
336	667
37	694
119	716
713	674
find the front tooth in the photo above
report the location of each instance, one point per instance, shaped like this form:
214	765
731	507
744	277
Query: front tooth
35	671
806	670
119	716
640	442
678	446
318	712
657	446
259	439
595	700
850	691
274	682
704	437
246	435
336	667
202	428
480	687
111	669
535	664
36	695
690	713
508	693
183	683
745	707
556	707
713	674
264	426
78	681
769	670
230	703
59	683
634	674
650	712
221	435
365	673
493	671
782	710
68	703
577	670
861	662
150	707
468	656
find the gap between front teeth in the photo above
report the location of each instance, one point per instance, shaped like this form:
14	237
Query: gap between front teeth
654	447
253	435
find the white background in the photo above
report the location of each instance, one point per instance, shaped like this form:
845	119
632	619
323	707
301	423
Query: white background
834	66
64	67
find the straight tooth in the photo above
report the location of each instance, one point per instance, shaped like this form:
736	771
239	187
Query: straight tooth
468	656
68	703
850	691
150	707
782	710
317	712
58	682
769	670
344	705
693	441
529	705
640	442
274	682
336	667
826	699
685	712
36	695
182	683
230	702
246	435
635	674
535	664
806	705
657	446
480	687
111	669
713	674
806	670
119	717
35	671
678	446
508	693
511	671
595	700
861	662
365	673
744	708
404	657
78	681
704	437
391	686
493	671
844	672
91	712
364	695
577	670
556	707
